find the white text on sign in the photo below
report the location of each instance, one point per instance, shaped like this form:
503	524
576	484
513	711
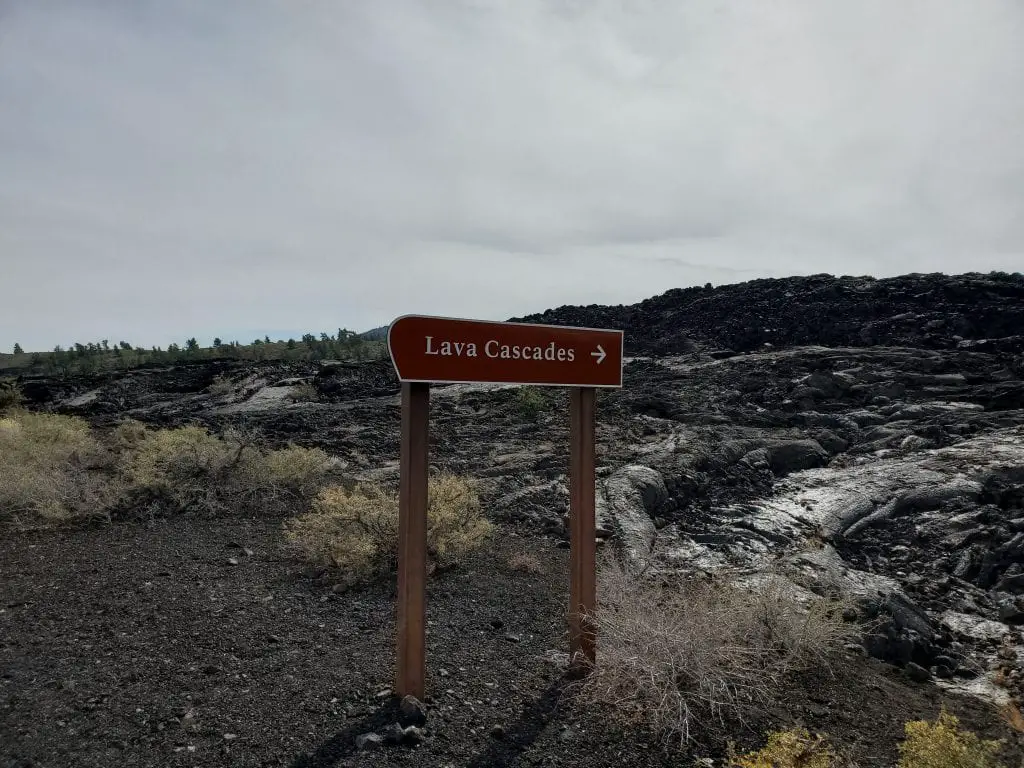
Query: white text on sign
495	349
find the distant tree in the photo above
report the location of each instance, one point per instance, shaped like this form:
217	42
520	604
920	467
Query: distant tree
291	343
266	340
257	342
17	349
192	345
106	345
125	346
60	358
216	342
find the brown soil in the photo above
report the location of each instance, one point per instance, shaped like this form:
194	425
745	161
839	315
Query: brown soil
142	645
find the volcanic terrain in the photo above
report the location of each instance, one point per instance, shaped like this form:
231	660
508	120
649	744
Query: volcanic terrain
848	435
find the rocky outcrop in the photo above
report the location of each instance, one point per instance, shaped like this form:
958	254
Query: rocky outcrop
935	311
626	504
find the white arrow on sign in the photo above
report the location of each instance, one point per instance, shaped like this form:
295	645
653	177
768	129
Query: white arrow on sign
600	354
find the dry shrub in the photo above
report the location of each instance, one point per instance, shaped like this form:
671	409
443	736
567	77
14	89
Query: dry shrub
941	744
299	469
525	562
221	385
356	531
794	748
52	470
675	657
190	470
455	522
305	392
127	435
1012	716
185	467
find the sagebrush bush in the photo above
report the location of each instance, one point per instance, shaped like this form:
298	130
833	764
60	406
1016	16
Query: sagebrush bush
190	470
52	470
530	402
941	744
674	657
455	520
175	461
355	531
10	395
127	435
301	470
305	392
221	385
795	748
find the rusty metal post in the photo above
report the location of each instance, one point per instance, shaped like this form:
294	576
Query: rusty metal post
582	528
412	541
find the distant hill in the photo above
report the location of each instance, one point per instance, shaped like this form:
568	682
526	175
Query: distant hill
375	334
934	311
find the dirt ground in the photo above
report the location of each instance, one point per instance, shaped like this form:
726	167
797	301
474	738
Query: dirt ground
199	643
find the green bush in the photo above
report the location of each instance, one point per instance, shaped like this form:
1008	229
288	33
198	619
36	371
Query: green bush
530	402
941	744
794	748
355	531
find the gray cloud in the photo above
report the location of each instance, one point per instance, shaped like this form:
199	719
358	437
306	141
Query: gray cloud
236	168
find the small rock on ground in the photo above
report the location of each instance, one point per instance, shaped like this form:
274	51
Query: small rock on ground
369	740
413	711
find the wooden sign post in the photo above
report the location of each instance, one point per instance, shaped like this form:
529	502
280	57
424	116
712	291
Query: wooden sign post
582	526
412	540
437	350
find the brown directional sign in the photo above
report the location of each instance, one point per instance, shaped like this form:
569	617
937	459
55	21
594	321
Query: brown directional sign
441	350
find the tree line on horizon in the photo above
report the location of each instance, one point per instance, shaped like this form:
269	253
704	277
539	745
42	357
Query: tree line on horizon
92	357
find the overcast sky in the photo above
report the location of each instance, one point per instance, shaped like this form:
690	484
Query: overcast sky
232	168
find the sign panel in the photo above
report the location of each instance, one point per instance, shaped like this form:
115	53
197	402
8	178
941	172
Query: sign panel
441	350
